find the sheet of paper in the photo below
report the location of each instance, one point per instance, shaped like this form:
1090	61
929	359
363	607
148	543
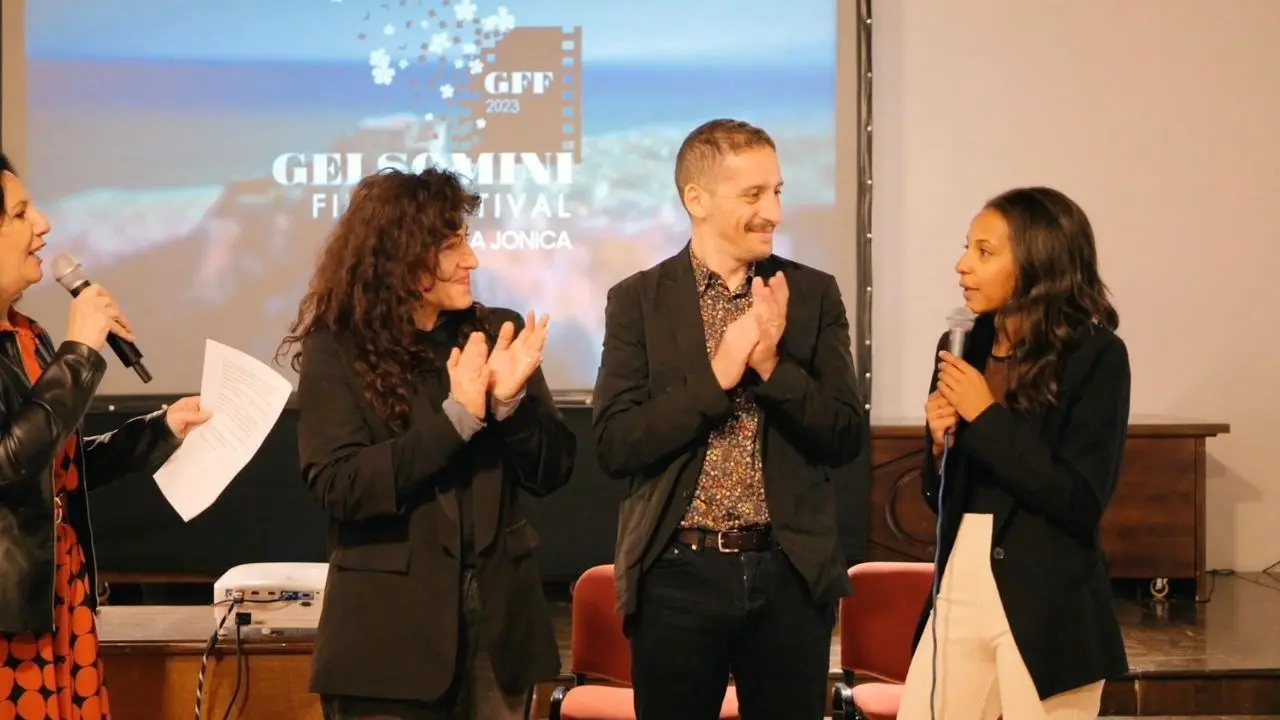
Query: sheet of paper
245	397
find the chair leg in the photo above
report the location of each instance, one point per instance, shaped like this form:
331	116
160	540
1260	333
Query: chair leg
842	705
557	699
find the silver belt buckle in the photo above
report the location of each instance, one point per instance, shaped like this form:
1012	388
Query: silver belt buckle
720	544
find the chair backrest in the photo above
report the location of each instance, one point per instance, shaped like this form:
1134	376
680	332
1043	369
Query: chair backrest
879	620
598	648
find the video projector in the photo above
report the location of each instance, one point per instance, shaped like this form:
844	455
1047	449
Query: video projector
277	597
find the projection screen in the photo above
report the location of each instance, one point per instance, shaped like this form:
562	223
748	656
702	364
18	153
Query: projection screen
194	155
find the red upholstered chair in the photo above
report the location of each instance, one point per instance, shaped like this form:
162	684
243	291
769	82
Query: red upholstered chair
600	651
877	624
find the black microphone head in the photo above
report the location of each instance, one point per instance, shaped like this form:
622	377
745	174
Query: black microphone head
68	273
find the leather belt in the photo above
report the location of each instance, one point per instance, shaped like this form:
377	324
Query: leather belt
728	541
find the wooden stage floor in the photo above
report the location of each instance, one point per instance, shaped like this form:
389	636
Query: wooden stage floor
1220	658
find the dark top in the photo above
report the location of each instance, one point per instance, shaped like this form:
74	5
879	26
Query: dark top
390	623
657	400
1047	477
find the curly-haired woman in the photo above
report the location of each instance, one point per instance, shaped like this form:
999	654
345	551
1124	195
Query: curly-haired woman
423	414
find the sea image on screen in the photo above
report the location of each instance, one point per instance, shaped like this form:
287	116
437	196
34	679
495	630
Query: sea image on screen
194	156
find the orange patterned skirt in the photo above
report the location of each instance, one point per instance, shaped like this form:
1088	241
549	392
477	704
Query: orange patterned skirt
57	676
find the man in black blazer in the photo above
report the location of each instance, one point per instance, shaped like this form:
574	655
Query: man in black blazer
726	389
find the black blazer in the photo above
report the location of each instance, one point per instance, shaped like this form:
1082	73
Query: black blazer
656	400
1055	472
390	623
35	422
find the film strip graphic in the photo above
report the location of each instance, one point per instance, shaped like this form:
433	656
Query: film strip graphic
529	98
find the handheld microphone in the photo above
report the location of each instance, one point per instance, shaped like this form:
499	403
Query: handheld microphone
959	323
69	274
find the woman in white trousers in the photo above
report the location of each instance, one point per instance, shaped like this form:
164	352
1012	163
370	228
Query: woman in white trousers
1025	433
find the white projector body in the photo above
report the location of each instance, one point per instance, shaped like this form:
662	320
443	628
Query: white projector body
277	596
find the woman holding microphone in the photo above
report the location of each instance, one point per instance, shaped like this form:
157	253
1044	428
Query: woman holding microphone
49	662
1024	623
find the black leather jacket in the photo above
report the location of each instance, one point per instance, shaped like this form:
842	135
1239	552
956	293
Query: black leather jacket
35	421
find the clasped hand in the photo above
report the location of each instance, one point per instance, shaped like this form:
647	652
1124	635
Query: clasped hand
476	374
962	392
751	341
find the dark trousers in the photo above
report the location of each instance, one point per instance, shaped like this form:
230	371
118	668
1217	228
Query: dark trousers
704	614
474	695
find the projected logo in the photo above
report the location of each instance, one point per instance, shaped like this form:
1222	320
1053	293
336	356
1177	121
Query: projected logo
469	90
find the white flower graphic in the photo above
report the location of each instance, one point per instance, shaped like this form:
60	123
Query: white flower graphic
465	10
447	46
506	21
503	21
439	43
382	75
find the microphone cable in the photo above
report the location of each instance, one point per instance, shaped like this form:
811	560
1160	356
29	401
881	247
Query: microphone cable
236	600
937	576
242	669
233	604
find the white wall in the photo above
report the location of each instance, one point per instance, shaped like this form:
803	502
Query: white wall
1162	119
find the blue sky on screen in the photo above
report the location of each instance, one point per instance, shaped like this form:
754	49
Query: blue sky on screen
749	32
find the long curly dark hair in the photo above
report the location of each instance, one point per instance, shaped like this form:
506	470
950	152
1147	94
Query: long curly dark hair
1058	292
381	256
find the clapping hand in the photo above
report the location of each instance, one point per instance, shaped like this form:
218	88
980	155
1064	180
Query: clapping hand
185	416
515	357
769	307
469	374
736	345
